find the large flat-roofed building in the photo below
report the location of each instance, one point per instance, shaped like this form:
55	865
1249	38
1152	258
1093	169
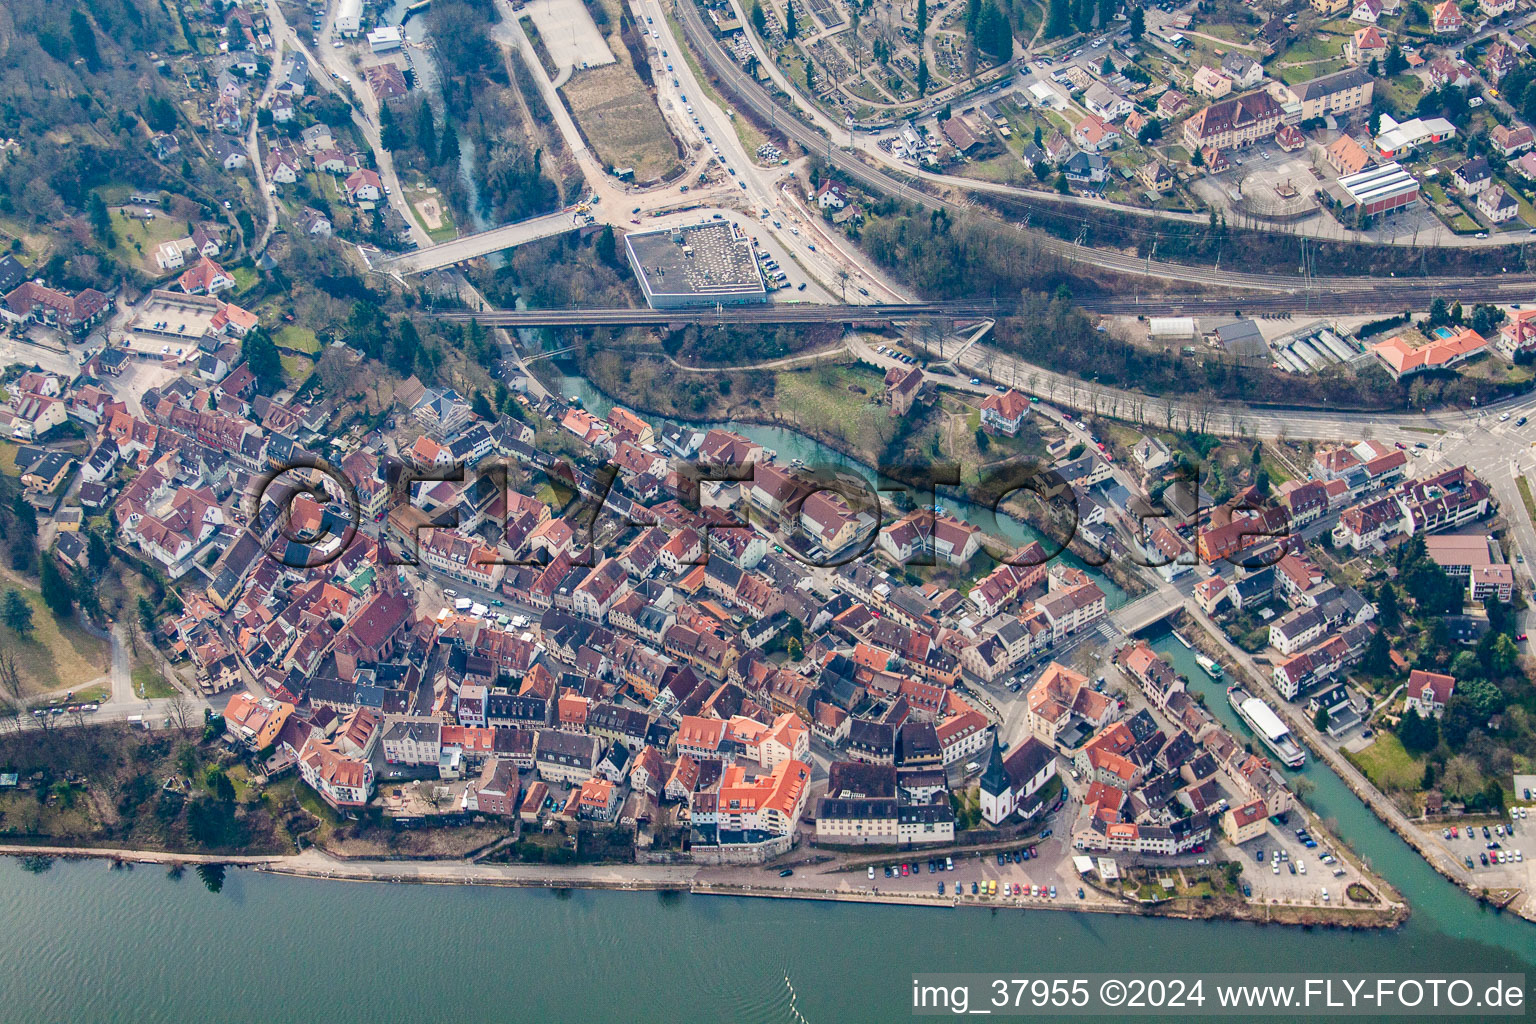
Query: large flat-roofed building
703	265
1378	190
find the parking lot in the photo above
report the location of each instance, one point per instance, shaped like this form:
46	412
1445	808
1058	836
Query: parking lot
970	873
1501	852
1280	866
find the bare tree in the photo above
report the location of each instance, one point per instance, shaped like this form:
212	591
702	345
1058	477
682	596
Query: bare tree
10	678
180	708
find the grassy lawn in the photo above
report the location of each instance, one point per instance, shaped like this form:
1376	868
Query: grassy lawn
8	451
297	339
1296	75
837	399
148	683
1388	765
56	655
1004	167
296	368
1401	91
1525	496
137	239
245	278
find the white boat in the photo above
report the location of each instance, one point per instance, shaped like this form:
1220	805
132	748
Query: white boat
1210	666
1267	726
1181	638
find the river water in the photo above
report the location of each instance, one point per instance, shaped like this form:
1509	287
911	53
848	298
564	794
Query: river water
84	942
790	444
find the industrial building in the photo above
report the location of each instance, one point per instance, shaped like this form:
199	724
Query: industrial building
349	17
707	264
1376	190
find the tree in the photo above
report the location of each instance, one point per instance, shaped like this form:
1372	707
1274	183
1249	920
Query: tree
1378	655
1461	778
789	21
84	38
1320	719
1458	720
402	354
1039	138
262	357
10	677
1387	612
180	709
98	551
606	247
219	784
1058	20
1108	67
449	152
426	132
922	75
1197	158
16	612
146	613
759	19
1061	184
1417	733
994	33
58	595
1150	132
391	135
101	221
1138	24
1396	62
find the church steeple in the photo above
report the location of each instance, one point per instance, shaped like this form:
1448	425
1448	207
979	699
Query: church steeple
995	781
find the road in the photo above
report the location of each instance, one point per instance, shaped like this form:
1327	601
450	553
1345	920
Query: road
365	111
750	94
467	247
1352	776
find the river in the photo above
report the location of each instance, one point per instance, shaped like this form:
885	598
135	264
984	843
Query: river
790	444
84	942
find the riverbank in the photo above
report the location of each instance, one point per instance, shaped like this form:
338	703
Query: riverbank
1208	637
1130	584
696	880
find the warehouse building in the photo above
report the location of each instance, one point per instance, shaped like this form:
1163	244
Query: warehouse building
708	264
1376	190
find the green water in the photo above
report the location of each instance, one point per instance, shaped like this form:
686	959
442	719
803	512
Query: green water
85	943
1437	904
790	444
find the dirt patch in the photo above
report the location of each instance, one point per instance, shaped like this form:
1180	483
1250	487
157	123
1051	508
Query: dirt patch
431	213
619	118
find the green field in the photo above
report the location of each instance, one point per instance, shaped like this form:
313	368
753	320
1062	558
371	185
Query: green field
56	655
149	683
1388	765
297	339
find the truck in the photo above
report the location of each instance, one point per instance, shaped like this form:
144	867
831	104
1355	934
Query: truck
462	604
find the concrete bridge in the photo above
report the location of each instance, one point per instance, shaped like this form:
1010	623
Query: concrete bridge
482	243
